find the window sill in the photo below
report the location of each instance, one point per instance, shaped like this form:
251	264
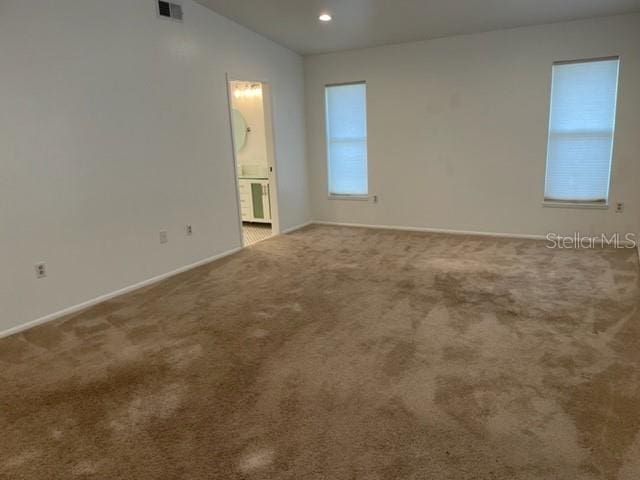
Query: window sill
361	198
588	206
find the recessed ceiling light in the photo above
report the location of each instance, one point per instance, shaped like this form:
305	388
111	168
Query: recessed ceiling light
325	17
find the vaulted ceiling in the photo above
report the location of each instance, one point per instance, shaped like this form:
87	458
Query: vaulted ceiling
366	23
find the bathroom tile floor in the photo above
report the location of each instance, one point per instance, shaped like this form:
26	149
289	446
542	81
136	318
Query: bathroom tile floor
255	232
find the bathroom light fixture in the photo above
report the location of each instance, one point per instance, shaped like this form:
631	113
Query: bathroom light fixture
325	17
254	90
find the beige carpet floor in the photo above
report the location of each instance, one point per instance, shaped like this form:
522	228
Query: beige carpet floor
339	354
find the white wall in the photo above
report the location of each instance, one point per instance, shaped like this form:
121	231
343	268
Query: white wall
114	126
457	129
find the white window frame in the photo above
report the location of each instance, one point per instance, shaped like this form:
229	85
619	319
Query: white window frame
344	196
578	203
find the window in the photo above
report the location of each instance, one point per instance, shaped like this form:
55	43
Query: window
581	126
346	116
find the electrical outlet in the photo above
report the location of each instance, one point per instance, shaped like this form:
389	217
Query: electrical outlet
41	270
375	199
619	207
189	230
164	238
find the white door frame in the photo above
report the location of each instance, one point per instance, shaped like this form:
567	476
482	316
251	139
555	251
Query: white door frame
267	102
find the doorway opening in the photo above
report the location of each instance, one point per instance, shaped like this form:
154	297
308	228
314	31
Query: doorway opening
253	148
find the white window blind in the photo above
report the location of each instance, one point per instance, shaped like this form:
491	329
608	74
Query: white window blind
346	117
581	127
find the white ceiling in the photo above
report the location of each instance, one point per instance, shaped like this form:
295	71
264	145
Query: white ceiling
366	23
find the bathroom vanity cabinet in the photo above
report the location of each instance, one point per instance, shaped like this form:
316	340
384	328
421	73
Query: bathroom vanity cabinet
255	200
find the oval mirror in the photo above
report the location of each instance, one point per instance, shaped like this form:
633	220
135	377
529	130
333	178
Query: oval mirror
239	127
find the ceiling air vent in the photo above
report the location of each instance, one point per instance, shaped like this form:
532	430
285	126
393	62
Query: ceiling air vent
170	10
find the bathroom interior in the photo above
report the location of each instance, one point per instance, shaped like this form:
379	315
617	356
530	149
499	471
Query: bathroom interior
251	141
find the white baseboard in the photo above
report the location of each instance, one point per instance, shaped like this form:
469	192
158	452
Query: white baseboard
109	296
122	291
434	230
452	232
297	227
159	278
